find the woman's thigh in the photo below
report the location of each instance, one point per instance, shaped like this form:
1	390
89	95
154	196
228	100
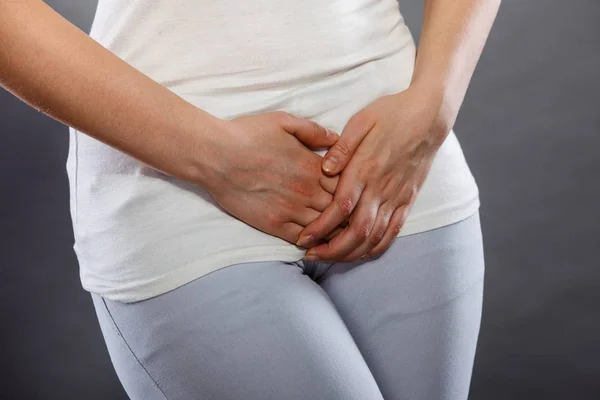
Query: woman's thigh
415	311
252	331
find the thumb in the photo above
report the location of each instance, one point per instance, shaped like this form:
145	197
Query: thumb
329	183
339	155
308	132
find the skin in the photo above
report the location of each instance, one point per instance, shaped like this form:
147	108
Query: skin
386	149
59	70
56	68
277	185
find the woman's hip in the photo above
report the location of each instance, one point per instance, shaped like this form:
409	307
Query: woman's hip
227	332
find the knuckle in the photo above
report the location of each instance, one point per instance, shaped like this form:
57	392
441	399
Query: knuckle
284	118
376	236
301	188
345	205
343	148
381	164
413	193
367	167
282	114
360	119
405	212
396	228
373	253
379	251
274	220
315	127
409	193
362	231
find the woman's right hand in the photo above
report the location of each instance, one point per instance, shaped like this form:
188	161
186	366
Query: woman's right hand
263	172
258	167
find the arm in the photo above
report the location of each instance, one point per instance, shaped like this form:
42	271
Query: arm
386	150
453	34
53	66
58	69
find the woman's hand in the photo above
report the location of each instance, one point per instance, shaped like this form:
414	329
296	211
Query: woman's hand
386	149
263	174
384	155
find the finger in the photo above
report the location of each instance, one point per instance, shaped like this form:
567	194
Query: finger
339	155
377	233
337	230
354	235
347	196
320	201
305	216
289	231
308	215
329	183
394	227
306	131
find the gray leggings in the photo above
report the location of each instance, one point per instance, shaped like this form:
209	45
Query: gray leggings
401	326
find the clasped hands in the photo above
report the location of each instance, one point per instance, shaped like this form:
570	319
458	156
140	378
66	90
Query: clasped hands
259	169
383	156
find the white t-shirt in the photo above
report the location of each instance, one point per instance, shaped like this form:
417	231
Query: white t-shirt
140	233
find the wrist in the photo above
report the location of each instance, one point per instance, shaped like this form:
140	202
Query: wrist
439	99
202	140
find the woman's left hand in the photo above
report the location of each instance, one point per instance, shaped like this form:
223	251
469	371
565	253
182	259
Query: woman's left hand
384	154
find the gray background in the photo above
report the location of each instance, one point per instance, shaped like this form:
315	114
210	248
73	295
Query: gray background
530	129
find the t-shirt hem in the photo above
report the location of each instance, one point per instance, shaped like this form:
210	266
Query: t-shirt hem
268	252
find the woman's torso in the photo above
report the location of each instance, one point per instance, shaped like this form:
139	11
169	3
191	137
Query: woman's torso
139	233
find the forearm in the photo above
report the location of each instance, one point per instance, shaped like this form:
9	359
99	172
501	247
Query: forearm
58	69
453	35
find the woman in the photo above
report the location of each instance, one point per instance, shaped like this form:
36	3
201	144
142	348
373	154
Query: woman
197	137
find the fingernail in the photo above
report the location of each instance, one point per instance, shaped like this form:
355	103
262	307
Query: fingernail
331	134
311	258
329	163
304	240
